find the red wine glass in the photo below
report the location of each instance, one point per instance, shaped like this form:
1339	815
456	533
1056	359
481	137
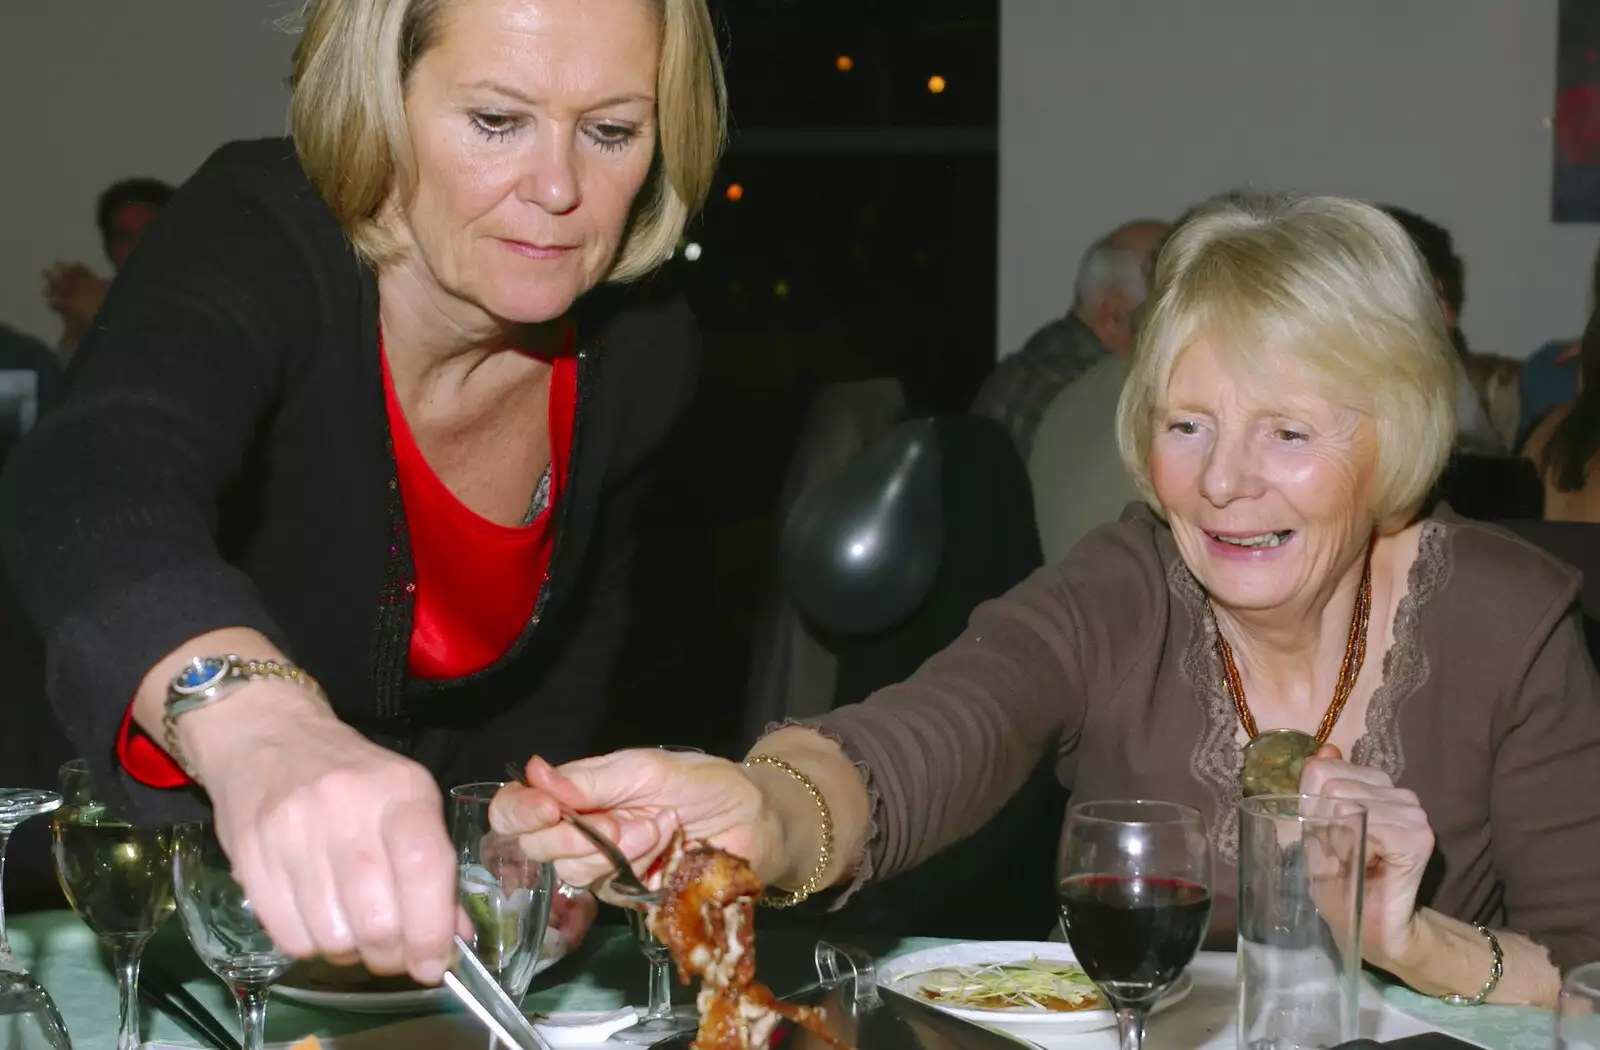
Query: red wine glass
1135	881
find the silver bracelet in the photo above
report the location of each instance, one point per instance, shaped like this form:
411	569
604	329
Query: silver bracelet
1497	969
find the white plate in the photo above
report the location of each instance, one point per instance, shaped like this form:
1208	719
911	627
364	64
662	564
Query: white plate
419	1000
1031	1024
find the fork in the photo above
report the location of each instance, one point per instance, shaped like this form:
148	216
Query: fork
624	883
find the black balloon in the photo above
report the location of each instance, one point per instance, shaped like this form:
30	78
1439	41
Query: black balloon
862	549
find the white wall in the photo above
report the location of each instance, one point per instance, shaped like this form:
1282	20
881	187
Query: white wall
96	90
1112	109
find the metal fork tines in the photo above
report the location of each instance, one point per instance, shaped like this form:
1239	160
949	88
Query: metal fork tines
624	883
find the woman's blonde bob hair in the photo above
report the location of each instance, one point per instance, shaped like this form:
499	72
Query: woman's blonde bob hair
1307	297
348	119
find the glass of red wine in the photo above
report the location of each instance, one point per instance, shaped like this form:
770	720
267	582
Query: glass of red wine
1135	880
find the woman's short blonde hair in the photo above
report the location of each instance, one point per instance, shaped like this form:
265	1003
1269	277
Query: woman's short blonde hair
1325	290
347	116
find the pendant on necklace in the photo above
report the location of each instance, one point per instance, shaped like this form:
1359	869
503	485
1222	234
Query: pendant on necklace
1273	760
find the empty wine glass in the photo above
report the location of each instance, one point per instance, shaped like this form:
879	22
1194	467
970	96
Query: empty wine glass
116	877
659	1021
29	1019
504	893
1135	900
222	927
16	806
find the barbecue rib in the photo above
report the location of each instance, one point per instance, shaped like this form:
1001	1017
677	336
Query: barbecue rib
706	919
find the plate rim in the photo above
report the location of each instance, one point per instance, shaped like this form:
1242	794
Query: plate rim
555	949
364	1002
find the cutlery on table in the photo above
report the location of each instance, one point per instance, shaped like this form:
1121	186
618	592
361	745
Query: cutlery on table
168	996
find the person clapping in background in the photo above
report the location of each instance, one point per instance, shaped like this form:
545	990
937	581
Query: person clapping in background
73	290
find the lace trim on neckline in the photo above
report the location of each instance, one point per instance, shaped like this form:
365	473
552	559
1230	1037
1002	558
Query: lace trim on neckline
1216	759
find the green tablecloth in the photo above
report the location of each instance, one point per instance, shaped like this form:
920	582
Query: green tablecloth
605	973
1497	1027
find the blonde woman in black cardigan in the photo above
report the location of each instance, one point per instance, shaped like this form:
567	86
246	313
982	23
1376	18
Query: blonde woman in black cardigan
360	412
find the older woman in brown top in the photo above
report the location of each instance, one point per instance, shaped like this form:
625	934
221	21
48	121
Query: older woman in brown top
1290	408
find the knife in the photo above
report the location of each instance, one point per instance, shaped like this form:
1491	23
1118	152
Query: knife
480	993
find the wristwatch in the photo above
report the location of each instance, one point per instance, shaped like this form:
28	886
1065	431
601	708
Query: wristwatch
206	679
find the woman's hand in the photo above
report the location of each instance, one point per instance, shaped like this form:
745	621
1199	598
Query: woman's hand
638	799
572	912
340	844
1399	843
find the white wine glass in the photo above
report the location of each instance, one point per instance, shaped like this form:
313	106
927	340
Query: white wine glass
222	927
116	877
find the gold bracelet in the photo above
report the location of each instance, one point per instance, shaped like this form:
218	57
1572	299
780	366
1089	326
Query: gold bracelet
824	850
1497	968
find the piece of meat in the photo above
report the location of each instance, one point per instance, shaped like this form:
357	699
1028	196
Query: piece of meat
706	918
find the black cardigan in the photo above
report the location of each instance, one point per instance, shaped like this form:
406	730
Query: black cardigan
222	459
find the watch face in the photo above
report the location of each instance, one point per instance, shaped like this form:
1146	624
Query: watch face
200	674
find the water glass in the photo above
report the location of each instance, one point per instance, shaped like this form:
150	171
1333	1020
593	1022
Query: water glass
1302	867
1578	1013
16	806
660	1020
222	927
28	1016
505	895
117	878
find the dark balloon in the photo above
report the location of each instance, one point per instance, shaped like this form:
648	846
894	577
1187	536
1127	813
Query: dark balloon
861	550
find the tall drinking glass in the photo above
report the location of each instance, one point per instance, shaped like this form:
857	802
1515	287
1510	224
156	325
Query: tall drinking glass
1578	1013
117	878
1302	865
506	895
16	806
1135	900
28	1016
659	1020
222	927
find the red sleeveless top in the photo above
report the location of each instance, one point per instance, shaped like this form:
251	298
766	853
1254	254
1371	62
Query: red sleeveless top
475	582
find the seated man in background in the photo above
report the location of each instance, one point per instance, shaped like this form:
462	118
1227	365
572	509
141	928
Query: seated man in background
1482	376
1564	443
1549	380
1078	477
73	290
1110	285
1550	375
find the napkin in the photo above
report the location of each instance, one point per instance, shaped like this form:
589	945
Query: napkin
584	1029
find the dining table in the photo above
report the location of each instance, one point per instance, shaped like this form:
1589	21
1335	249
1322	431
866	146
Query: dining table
607	972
